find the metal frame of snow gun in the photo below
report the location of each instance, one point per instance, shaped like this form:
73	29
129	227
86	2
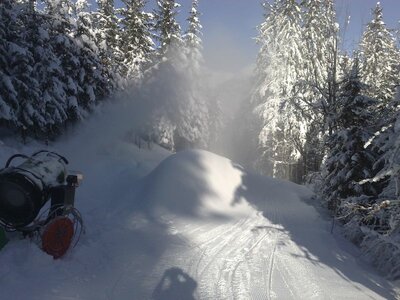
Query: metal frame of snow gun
3	238
24	191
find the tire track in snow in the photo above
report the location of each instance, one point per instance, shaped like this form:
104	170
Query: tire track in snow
227	240
222	236
193	258
277	220
272	236
221	255
270	272
291	267
289	288
230	265
246	260
238	266
242	265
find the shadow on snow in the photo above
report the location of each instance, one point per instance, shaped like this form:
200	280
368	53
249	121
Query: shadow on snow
317	245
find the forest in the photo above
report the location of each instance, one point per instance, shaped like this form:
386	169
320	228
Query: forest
316	114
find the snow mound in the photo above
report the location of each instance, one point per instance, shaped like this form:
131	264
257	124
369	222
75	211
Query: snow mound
195	183
201	184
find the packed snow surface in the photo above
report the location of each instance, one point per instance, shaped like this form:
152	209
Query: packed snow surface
195	226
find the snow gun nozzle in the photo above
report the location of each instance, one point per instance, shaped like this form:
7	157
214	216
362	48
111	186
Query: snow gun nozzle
28	185
74	179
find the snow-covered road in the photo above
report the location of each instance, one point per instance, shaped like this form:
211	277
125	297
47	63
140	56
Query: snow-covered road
278	248
196	227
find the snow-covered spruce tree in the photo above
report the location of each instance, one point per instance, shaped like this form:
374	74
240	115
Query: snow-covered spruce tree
386	143
258	106
50	71
20	51
78	79
8	95
348	161
380	69
84	25
280	65
380	59
168	32
192	38
108	35
375	226
39	115
136	44
69	73
60	8
21	58
93	81
318	39
181	114
314	151
193	121
318	88
167	71
59	63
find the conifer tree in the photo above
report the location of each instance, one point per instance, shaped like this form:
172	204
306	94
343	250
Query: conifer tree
280	65
380	59
169	66
192	37
318	89
320	32
349	162
50	71
193	124
84	25
108	35
181	118
63	60
168	31
8	94
93	81
22	60
61	9
137	44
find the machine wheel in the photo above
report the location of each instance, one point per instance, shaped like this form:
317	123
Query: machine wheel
57	236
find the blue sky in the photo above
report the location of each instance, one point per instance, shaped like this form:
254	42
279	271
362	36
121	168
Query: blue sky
230	26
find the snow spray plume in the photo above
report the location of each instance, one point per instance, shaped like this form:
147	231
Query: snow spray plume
165	93
232	92
109	124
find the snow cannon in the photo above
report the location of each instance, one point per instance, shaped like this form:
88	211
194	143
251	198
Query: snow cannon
37	199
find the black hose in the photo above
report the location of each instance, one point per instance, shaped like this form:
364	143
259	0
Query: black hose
12	158
60	156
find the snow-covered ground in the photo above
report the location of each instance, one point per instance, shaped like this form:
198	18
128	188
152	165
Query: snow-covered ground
195	226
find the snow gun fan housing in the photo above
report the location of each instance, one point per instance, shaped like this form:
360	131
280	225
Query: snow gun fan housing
20	200
26	188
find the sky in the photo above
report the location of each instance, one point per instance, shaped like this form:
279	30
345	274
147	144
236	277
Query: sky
229	27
